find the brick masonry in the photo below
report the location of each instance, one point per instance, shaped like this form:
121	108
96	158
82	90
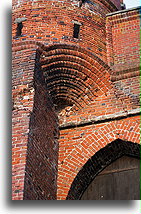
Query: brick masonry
35	131
98	162
71	97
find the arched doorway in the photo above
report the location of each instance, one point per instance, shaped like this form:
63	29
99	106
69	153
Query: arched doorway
119	155
118	181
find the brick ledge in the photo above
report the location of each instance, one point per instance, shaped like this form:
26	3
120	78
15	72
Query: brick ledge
102	119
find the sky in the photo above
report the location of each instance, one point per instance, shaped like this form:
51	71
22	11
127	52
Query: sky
132	3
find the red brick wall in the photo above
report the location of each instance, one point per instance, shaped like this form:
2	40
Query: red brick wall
123	51
58	77
35	130
81	139
97	162
52	22
23	95
77	145
123	40
42	149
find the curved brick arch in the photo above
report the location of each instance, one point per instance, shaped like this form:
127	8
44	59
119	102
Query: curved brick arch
74	71
127	130
92	74
73	74
62	64
74	156
98	162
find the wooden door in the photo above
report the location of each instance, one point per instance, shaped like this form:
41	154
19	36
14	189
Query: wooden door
118	181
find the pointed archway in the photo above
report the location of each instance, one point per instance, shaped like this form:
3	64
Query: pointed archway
100	161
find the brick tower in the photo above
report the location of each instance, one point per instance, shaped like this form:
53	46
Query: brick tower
75	93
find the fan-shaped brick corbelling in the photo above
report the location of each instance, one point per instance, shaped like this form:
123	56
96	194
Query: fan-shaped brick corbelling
73	74
95	104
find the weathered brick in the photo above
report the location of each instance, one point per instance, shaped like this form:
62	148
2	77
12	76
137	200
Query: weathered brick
88	87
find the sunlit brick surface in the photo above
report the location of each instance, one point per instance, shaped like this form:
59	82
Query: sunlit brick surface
71	97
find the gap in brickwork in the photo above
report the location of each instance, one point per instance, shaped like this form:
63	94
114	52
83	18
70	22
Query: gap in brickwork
81	2
76	31
19	29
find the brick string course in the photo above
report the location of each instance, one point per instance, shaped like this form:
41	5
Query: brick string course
71	97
